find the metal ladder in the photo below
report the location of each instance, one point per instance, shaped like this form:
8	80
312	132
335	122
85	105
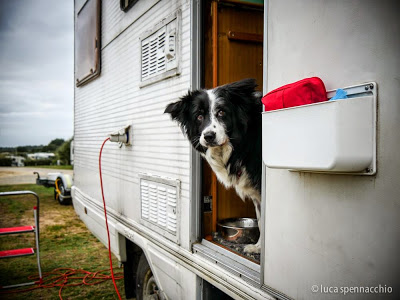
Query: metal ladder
23	229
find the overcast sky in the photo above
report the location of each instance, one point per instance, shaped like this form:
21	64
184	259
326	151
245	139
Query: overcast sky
36	71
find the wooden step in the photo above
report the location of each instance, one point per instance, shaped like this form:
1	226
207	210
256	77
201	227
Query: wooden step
16	252
21	229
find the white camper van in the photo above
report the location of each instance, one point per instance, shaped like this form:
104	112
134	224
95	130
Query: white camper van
331	187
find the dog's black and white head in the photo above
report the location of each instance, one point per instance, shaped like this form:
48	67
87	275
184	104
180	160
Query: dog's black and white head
212	118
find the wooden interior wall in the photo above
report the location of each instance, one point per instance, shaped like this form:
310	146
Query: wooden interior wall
239	56
238	59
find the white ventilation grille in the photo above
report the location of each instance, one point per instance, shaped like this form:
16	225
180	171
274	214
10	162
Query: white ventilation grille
159	51
153	55
159	204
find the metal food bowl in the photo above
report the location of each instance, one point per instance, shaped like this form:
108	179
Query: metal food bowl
239	230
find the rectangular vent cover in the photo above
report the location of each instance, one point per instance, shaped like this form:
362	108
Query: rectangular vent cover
159	204
160	50
153	55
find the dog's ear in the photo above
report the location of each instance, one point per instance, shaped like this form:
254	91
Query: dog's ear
179	110
175	110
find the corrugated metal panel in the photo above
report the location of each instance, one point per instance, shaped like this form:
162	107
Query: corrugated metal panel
115	99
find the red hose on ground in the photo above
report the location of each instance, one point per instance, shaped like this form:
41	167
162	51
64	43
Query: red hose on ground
65	277
105	215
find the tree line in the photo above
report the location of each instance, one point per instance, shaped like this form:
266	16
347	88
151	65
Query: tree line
60	147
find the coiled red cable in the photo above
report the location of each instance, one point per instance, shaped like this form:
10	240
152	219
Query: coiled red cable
62	277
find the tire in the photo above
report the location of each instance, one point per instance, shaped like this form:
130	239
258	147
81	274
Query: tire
62	190
146	287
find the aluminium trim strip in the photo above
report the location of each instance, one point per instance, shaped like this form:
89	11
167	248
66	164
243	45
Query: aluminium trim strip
241	260
195	185
228	264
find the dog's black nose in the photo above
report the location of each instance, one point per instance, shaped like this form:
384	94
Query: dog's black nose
209	136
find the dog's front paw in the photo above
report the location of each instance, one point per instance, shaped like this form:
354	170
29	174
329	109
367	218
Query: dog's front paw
252	248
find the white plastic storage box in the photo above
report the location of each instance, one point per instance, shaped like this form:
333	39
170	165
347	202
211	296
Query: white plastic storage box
334	136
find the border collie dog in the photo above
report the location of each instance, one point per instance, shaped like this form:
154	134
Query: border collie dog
224	125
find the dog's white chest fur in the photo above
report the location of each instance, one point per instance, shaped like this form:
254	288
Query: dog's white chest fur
217	157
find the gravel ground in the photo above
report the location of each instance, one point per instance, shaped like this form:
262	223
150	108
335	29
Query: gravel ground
24	175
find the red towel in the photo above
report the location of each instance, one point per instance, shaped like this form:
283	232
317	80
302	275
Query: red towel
305	91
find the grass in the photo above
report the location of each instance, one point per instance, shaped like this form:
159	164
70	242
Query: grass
65	242
61	167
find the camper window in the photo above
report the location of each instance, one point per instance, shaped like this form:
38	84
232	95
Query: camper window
87	42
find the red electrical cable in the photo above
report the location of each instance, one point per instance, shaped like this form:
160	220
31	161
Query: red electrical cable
62	277
105	215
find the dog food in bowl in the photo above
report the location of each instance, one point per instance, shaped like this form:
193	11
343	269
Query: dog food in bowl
239	230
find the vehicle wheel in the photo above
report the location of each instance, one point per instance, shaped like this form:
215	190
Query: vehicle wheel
146	288
61	188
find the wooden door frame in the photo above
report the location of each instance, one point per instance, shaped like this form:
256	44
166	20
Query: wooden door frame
211	77
214	183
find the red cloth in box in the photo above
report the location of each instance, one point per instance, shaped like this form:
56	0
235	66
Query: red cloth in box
305	91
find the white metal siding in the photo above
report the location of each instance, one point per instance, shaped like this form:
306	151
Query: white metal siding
116	21
115	99
335	230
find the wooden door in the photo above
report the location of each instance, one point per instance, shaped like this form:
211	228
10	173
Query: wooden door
233	51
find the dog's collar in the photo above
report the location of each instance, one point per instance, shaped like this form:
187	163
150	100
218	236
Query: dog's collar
238	174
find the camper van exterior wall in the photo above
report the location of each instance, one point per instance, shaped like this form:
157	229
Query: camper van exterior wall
336	230
115	99
323	230
159	151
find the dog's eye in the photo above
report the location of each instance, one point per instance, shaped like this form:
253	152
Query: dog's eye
221	113
200	118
